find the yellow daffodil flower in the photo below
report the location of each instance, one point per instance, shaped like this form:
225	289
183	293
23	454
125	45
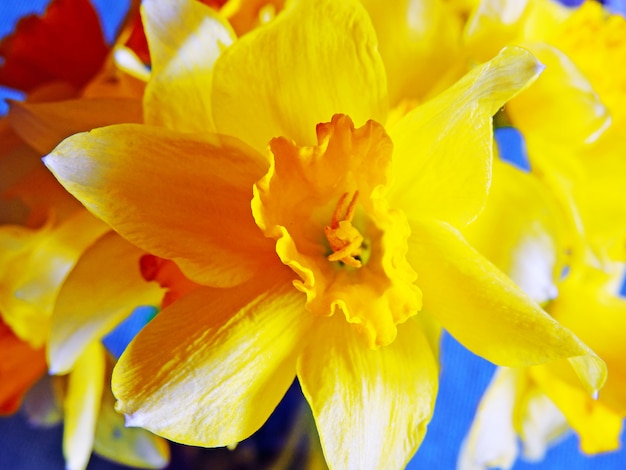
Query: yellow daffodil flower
265	172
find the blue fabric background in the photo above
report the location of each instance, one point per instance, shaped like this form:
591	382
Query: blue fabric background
464	376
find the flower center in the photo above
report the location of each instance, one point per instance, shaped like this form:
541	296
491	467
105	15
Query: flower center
326	208
344	239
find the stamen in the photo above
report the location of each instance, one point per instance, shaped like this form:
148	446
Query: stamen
344	239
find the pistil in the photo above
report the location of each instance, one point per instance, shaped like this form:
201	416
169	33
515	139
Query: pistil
344	239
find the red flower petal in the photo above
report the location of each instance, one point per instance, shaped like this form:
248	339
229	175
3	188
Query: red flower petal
20	368
66	44
168	275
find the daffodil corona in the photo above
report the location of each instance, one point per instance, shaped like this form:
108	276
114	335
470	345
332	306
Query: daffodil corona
326	207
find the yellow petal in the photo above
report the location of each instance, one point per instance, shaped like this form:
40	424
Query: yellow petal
103	288
543	18
134	447
486	311
264	87
36	262
603	202
228	354
419	43
44	125
371	406
17	246
493	25
81	405
185	39
431	330
571	111
599	318
179	197
594	38
523	231
598	427
443	149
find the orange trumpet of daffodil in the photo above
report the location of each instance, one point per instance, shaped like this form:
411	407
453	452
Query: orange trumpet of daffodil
264	170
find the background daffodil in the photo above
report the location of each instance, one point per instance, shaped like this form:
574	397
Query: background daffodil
54	252
539	248
359	218
572	118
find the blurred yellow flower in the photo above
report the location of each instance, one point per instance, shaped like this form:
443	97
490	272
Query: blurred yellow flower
54	253
540	403
572	118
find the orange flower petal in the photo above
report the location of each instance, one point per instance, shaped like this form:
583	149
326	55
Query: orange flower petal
44	125
179	197
20	367
168	275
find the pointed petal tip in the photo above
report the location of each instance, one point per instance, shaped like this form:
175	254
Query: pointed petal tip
130	417
59	363
50	160
592	372
540	67
519	67
57	369
523	55
131	420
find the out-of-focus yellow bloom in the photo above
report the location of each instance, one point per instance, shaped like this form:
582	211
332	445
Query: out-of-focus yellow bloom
55	254
330	216
573	117
526	232
573	122
50	281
